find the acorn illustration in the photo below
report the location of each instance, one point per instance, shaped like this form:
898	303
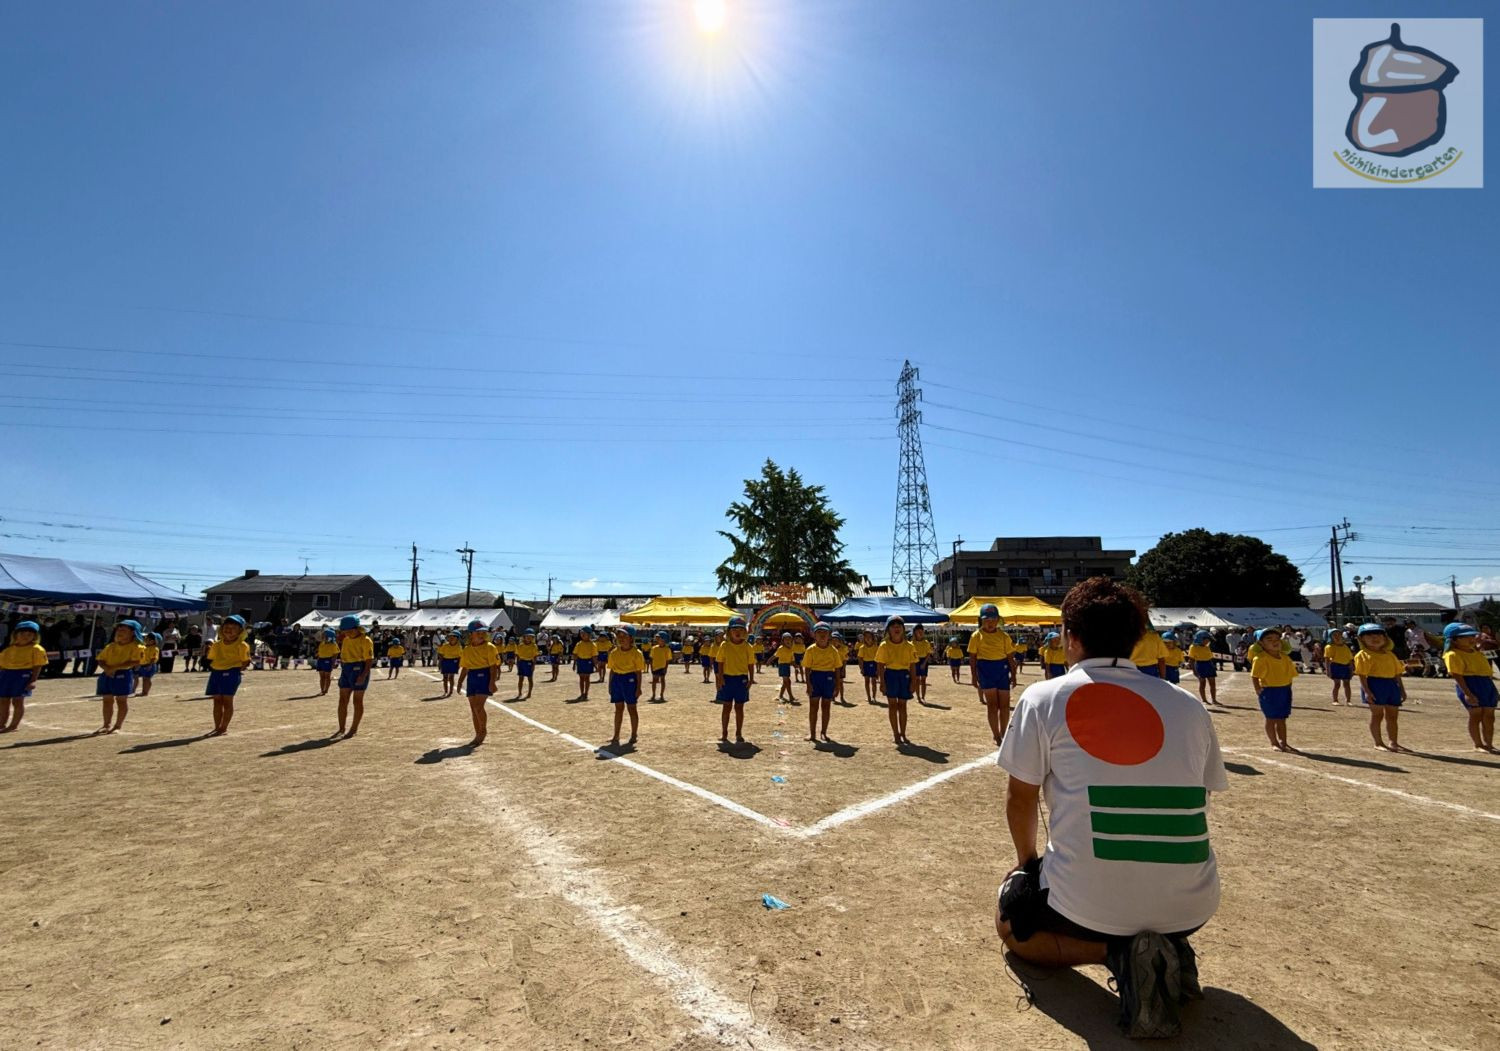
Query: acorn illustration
1399	106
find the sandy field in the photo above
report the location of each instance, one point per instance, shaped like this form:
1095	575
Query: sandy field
274	889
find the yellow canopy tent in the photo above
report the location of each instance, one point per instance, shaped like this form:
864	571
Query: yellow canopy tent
784	620
1014	609
667	610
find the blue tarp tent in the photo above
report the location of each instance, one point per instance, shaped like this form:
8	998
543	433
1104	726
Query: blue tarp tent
873	608
58	581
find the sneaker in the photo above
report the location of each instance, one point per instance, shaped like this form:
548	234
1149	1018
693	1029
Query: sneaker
1148	979
1187	961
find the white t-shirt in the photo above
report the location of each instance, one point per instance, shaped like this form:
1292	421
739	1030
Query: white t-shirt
1126	762
1233	639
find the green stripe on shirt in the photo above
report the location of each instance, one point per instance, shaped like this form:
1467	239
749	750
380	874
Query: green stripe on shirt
1148	797
1161	852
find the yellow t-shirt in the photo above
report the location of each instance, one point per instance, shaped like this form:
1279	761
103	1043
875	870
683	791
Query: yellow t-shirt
527	651
357	648
485	655
1374	665
149	653
329	649
1054	655
1273	671
711	651
1338	653
843	651
605	644
1254	650
1173	656
799	646
225	655
953	651
1148	650
555	648
508	647
923	648
1199	652
784	654
990	645
661	656
735	658
121	654
822	658
623	662
397	650
447	651
1459	662
585	650
23	658
867	651
896	656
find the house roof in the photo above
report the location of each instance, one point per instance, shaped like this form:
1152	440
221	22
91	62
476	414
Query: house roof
296	585
1322	603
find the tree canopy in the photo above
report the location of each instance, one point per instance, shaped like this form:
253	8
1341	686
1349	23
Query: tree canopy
1199	568
787	534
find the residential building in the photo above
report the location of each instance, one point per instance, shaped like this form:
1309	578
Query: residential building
255	595
1429	616
1044	566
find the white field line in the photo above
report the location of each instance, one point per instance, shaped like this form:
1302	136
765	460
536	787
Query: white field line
1410	797
562	871
869	806
832	821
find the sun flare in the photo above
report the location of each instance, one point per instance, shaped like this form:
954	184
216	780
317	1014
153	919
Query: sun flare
710	15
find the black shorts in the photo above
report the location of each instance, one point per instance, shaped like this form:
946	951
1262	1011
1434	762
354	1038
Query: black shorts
1024	905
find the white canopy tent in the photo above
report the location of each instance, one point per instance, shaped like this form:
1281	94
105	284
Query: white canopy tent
1236	616
493	619
573	619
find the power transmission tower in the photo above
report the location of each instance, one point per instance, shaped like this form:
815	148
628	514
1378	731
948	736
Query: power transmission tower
466	556
416	596
914	548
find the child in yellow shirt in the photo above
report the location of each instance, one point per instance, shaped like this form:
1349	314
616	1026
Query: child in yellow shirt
955	654
448	654
585	653
1473	681
21	661
626	666
895	658
991	664
117	664
327	657
924	658
526	655
356	660
395	657
821	663
1054	656
1338	664
480	660
784	657
660	656
227	656
1271	673
1205	668
151	653
1380	683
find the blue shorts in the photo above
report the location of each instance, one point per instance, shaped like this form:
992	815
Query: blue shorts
224	683
898	684
1149	669
1483	689
1056	670
524	669
448	665
584	665
1174	674
1382	691
736	690
797	659
993	675
1276	702
323	663
1206	669
352	676
705	660
146	671
120	684
784	670
14	683
821	685
1341	672
922	668
477	683
623	686
954	662
868	669
658	673
396	662
554	660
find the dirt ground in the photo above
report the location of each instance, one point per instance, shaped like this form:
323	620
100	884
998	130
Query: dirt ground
274	889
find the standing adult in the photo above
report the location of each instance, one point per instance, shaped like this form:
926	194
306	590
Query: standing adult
1126	763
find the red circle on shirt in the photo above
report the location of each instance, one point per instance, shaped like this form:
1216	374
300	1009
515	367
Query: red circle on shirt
1114	724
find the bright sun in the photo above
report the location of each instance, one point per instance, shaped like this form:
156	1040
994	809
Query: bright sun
710	15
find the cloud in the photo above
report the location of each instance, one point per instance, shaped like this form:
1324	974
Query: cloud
585	585
595	584
1440	592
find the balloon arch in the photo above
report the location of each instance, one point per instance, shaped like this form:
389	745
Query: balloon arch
764	616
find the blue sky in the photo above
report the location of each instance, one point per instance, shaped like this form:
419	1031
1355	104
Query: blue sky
312	281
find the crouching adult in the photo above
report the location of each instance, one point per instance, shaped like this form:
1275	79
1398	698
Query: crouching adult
1126	763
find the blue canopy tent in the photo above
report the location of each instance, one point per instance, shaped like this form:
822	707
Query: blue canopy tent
876	608
58	582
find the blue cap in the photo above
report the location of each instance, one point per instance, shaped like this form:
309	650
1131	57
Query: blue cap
893	620
329	633
1050	636
736	622
475	625
626	630
156	637
235	618
529	631
348	623
29	625
1169	636
133	625
1459	630
989	609
720	631
661	635
821	626
1371	628
1201	635
1262	632
839	635
585	631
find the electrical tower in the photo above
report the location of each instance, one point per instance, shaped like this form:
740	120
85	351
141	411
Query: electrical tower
914	549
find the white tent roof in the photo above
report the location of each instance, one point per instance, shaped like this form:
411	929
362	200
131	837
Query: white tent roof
573	619
1236	616
494	619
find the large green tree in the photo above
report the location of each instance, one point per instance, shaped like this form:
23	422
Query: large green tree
787	534
1199	568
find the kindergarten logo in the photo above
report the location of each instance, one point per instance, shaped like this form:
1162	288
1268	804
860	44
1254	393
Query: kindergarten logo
1398	104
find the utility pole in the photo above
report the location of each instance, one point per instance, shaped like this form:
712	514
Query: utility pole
549	589
953	573
416	596
1336	566
466	556
1453	583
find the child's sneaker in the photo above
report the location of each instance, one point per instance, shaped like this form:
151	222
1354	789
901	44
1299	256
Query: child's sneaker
1187	961
1148	980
